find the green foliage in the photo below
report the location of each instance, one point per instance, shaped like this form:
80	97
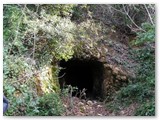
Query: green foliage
147	36
57	34
13	29
88	36
146	78
62	10
146	72
50	105
147	109
131	91
80	13
68	90
14	65
20	97
11	17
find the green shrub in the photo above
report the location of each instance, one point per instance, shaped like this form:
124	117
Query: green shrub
13	29
146	109
62	10
145	79
146	37
57	34
20	98
50	105
68	90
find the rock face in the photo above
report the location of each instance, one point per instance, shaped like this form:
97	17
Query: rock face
45	81
119	67
114	78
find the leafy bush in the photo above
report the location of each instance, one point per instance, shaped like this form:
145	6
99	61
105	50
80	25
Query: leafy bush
62	10
147	109
146	78
13	29
53	34
20	97
88	36
68	91
146	72
147	36
18	86
50	105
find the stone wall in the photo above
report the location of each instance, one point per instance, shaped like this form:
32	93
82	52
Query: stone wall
114	79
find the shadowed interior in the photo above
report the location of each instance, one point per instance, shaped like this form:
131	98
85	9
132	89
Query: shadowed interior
86	74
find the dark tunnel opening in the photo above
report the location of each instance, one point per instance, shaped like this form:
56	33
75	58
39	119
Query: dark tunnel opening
82	74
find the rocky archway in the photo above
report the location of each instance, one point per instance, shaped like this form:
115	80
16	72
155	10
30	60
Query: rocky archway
99	78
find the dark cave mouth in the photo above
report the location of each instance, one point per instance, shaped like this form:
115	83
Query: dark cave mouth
82	74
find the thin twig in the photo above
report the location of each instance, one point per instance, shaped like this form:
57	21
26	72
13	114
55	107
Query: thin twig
117	9
132	19
16	36
26	76
34	44
82	93
71	99
62	76
149	14
37	8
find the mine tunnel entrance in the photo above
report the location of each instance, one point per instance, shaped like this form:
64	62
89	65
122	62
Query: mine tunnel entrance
82	74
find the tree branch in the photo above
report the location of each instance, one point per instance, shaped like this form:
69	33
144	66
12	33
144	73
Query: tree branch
149	14
34	44
132	19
